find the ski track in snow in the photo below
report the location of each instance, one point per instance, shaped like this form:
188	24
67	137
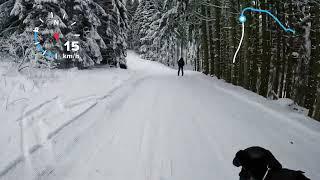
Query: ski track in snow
70	104
157	126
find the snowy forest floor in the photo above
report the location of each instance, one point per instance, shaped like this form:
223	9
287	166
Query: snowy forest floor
144	123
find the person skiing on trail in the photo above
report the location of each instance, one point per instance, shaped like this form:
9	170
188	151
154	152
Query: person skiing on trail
180	64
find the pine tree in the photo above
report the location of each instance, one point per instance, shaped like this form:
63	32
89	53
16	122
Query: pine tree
204	44
113	30
29	13
6	22
277	65
173	31
144	26
266	51
162	32
135	5
130	10
211	42
271	61
218	42
91	24
131	7
314	66
255	46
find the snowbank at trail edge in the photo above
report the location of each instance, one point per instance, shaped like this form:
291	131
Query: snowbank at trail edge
37	103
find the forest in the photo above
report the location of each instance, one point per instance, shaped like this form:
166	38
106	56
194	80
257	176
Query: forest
272	62
206	33
101	24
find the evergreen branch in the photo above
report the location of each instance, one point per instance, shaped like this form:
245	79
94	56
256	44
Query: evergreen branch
8	29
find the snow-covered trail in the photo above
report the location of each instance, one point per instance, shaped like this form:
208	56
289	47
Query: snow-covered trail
163	127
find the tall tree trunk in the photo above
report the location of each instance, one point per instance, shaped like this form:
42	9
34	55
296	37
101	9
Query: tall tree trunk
211	44
314	66
205	41
266	50
255	47
217	42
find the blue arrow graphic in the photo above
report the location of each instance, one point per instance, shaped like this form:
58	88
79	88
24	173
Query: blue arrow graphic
243	18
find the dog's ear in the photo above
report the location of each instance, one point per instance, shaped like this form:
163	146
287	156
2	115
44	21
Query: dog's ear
241	158
273	163
236	161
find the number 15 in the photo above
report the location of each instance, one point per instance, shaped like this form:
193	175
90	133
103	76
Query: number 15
74	44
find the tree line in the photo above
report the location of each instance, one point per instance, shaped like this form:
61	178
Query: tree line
101	24
272	62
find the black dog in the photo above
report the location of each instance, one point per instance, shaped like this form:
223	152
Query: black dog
285	174
255	161
260	164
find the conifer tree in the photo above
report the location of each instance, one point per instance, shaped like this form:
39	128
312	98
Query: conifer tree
93	21
113	31
145	22
314	66
131	7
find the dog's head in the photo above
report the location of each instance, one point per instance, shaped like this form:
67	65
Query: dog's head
256	156
242	159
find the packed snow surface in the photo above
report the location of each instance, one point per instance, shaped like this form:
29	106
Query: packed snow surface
144	123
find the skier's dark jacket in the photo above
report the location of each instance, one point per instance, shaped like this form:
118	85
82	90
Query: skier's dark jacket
181	62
